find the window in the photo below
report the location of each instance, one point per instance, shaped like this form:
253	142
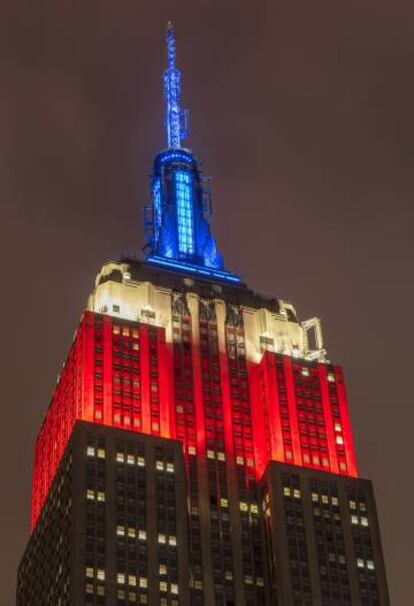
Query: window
90	451
120	578
184	212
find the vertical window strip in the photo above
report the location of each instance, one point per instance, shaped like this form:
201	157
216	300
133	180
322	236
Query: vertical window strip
184	212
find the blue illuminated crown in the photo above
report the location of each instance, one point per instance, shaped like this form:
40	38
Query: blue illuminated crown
177	222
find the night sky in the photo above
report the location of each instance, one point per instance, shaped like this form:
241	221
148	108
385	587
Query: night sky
301	111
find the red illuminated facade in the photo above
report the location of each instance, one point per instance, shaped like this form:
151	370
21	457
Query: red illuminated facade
124	374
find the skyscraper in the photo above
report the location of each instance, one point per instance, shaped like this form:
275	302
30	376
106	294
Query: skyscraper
197	448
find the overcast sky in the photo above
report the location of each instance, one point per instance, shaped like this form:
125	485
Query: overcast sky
301	111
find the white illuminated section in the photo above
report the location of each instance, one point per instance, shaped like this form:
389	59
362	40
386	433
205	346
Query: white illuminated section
118	295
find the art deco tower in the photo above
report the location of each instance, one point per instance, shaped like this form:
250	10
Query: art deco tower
197	448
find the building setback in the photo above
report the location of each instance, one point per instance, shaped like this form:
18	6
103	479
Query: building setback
197	449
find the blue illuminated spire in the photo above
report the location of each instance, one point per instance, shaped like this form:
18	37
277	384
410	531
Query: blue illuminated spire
179	237
176	119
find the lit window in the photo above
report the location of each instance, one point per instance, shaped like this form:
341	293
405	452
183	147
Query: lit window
184	212
254	508
89	588
142	534
335	501
191	450
163	569
163	586
120	457
240	460
120	578
364	521
120	531
370	565
331	378
296	493
100	590
121	594
243	506
325	499
174	588
224	502
338	427
248	579
101	453
89	573
339	440
221	456
98	414
101	497
161	538
100	574
228	575
160	465
287	491
131	459
360	563
315	497
260	582
352	505
132	596
143	598
342	466
132	580
90	494
362	506
305	372
143	582
172	540
140	461
210	454
131	533
116	330
170	467
90	451
354	520
198	585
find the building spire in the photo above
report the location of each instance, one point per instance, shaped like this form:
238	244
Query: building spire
176	119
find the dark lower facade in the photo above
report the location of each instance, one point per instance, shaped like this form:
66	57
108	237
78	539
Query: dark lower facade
323	540
114	527
116	530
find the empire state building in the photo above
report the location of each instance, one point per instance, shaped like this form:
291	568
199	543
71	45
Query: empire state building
197	448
